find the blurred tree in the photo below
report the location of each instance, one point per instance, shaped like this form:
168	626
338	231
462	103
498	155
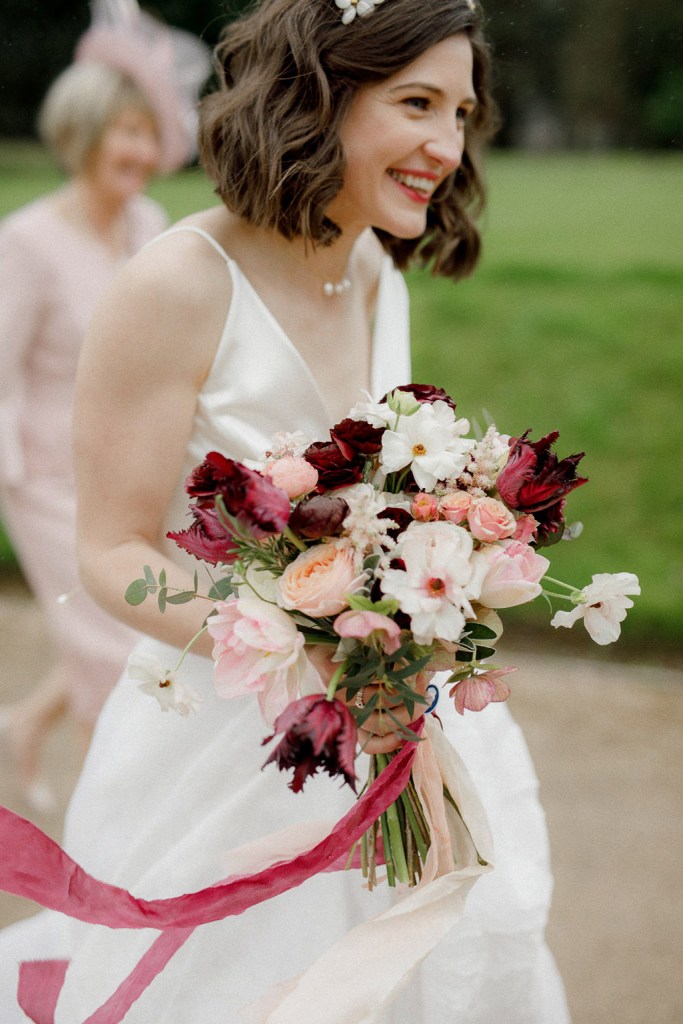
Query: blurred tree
568	72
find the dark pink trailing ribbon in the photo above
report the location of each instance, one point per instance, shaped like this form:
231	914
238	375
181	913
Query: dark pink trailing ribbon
34	866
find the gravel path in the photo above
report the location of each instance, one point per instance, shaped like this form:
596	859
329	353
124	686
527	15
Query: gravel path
606	741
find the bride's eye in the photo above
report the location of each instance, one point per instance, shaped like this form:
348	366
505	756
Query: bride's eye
417	102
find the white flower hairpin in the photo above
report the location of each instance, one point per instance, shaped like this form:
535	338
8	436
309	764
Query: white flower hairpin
351	8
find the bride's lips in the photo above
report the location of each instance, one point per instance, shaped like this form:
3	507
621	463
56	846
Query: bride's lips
418	185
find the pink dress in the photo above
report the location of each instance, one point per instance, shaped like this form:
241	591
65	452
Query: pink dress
51	277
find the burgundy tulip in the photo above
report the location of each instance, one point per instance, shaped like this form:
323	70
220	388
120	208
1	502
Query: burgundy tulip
246	494
207	539
317	733
534	478
318	516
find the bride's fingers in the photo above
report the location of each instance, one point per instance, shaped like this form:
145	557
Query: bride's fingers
371	744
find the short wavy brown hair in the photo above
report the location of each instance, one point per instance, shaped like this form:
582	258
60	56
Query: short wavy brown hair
269	136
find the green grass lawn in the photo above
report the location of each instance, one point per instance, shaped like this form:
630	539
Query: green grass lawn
572	322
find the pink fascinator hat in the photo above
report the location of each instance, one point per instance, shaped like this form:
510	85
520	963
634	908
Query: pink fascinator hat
168	66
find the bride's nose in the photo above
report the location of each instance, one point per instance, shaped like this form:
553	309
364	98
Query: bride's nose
446	147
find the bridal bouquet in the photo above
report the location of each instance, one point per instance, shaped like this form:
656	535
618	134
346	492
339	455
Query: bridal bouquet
349	570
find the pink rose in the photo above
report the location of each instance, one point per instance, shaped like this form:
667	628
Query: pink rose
513	575
455	505
318	581
526	529
360	625
425	507
489	520
292	474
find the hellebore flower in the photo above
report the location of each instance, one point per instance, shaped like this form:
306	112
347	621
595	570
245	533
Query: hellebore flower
207	538
534	478
317	733
602	605
359	625
475	692
334	469
318	516
247	495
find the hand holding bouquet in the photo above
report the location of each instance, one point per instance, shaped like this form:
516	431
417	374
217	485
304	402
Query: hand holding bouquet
388	550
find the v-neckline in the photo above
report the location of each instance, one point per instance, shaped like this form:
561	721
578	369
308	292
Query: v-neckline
292	348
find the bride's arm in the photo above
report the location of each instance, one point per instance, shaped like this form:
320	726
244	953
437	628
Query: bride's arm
148	351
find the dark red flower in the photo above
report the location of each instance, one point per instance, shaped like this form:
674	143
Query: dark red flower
400	516
207	538
317	733
534	478
356	437
334	469
426	394
246	494
318	516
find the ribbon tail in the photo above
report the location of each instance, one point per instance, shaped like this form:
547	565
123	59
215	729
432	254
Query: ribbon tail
40	982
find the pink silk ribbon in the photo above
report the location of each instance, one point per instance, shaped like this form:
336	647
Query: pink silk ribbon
33	866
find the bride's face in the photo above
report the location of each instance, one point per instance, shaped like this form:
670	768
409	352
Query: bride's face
402	137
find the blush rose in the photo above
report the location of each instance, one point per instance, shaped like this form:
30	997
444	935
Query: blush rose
319	580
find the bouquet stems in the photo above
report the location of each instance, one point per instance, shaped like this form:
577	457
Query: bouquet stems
404	832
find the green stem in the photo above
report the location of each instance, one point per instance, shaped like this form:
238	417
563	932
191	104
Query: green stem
394	825
334	681
386	842
559	583
186	649
293	539
414	826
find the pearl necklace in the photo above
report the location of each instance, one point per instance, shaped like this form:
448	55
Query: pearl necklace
331	288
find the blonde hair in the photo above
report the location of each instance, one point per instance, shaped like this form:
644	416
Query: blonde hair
79	106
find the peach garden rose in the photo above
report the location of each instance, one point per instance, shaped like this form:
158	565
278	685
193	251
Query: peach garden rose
319	580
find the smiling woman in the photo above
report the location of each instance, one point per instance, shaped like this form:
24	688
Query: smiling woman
343	148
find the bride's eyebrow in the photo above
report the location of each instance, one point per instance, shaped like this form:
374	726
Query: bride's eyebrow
433	89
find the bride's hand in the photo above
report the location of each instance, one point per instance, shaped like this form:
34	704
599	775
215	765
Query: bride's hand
381	732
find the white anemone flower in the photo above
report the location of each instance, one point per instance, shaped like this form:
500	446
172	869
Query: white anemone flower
439	581
430	442
158	682
602	605
377	414
351	8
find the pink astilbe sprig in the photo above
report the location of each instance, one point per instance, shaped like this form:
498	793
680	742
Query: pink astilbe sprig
317	733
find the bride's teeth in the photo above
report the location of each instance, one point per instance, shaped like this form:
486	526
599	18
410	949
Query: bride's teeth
413	181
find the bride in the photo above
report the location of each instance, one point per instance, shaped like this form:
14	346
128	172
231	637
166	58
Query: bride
343	143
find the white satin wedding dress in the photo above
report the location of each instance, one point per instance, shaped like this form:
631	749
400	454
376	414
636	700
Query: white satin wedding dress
163	798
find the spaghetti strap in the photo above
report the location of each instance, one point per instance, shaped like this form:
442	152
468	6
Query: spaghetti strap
197	231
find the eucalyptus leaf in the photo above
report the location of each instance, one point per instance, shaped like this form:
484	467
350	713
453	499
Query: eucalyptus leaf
181	598
478	631
485	652
136	593
162	598
149	576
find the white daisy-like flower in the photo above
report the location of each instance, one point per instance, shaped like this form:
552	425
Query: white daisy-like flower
351	8
158	682
602	605
430	443
439	582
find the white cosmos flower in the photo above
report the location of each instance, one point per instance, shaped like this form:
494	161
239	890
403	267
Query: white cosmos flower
158	682
602	605
439	581
430	442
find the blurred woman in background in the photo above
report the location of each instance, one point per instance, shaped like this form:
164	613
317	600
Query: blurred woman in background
121	113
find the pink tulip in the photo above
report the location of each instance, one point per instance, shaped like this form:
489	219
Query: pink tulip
513	575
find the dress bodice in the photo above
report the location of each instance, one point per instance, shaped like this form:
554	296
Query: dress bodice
260	384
